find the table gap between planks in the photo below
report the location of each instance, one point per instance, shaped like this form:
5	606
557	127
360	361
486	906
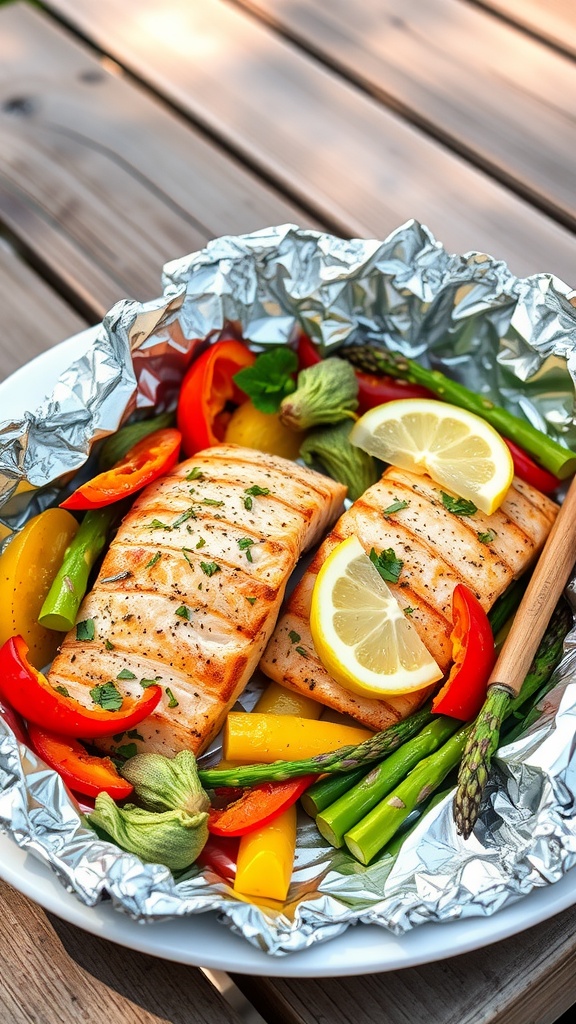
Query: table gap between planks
123	145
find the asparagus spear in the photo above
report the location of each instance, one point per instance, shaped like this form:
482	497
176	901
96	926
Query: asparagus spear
499	705
376	748
351	807
549	453
374	831
69	586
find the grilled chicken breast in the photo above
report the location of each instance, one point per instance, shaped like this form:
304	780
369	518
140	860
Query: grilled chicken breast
191	586
438	549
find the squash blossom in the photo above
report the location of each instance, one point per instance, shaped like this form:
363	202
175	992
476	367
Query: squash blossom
330	447
326	393
171	827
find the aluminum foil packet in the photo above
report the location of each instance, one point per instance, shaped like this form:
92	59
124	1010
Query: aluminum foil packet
510	339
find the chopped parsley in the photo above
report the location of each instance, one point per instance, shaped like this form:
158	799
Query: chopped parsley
209	568
145	683
387	564
107	696
486	538
187	552
109	645
62	690
408	610
294	636
133	734
188	514
269	379
156	524
195	474
200	543
302	651
85	630
458	506
172	702
252	600
245	543
127	750
396	506
155	558
183	612
126	674
254	492
211	501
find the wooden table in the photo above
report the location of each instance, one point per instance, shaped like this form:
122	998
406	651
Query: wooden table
133	132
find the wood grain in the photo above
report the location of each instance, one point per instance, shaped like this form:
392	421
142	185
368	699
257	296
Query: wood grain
488	90
527	978
53	973
358	165
34	317
99	183
553	20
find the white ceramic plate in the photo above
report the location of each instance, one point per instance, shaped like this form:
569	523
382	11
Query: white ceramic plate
201	940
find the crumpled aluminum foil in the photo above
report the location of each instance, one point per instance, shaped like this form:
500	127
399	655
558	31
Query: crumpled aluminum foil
513	340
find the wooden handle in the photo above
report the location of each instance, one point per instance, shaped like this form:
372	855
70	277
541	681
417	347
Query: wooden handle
542	594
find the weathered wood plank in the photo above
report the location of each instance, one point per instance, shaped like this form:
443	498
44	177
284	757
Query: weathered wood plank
53	973
34	317
313	133
98	181
489	91
553	20
529	977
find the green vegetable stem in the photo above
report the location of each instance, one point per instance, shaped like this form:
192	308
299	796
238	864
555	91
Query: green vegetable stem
62	602
343	461
545	450
326	393
351	807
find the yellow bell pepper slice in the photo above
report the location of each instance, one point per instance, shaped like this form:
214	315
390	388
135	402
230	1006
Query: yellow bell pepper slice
266	858
27	567
252	737
278	700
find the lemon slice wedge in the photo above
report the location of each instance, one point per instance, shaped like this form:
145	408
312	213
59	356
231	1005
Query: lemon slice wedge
360	632
458	449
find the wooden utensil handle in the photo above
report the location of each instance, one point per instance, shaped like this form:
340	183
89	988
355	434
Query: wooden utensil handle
541	596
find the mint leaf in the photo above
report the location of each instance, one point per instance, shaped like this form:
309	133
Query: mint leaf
125	674
269	379
387	564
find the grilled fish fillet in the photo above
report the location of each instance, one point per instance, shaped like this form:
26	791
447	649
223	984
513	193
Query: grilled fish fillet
190	589
438	550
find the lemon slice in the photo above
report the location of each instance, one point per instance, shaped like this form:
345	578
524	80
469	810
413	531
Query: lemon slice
360	632
458	449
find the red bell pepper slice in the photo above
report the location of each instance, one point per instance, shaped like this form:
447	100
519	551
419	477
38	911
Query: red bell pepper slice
307	352
29	693
530	471
82	772
207	393
257	806
150	458
220	855
474	654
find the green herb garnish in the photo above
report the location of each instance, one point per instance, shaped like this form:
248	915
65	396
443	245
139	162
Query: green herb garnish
302	651
294	636
209	568
245	543
107	696
387	564
210	501
200	543
486	538
195	474
172	702
126	674
62	690
109	645
188	514
254	492
85	630
458	506
155	558
269	379
127	750
396	506
183	612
